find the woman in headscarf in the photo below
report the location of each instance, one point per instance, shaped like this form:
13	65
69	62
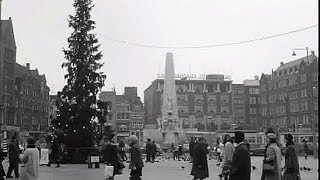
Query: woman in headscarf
30	162
291	167
272	157
228	154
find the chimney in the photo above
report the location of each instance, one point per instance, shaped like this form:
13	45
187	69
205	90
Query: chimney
28	66
281	64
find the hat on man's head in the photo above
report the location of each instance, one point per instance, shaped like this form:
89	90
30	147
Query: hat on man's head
270	130
239	136
288	137
132	139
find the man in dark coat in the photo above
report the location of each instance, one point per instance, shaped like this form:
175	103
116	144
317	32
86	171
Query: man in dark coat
191	148
55	153
153	151
241	163
200	162
111	154
13	158
136	163
148	150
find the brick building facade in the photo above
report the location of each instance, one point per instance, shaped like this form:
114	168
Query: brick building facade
125	112
203	104
289	96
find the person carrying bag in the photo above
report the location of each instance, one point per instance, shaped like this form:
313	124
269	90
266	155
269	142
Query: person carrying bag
272	161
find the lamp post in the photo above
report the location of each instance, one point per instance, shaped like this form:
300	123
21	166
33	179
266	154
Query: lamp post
310	95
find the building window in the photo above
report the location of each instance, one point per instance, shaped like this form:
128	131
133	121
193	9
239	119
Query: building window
315	76
304	93
292	81
271	99
315	105
224	99
263	100
282	96
303	78
254	91
304	105
294	107
239	111
280	109
252	110
305	119
315	91
294	95
225	110
253	100
271	109
264	111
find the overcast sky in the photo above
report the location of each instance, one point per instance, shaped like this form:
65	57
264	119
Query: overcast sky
41	31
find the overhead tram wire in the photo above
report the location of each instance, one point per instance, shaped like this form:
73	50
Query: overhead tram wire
207	46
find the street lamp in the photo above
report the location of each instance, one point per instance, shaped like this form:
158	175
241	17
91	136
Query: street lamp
310	101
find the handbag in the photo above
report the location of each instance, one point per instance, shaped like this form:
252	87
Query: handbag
108	171
269	168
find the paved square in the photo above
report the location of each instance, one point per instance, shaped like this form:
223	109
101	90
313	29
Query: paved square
163	170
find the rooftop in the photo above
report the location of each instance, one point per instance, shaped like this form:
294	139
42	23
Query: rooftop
297	62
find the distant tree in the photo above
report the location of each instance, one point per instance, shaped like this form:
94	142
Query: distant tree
77	101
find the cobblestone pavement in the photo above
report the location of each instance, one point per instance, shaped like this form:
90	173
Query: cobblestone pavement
162	170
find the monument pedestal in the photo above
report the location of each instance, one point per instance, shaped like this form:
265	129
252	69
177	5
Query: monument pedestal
170	137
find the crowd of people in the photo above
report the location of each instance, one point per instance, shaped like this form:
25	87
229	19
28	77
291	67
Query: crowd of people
235	157
27	160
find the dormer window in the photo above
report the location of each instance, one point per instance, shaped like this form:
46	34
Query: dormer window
290	70
280	73
285	72
296	68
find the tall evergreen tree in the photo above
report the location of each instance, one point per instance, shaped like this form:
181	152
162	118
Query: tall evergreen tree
77	101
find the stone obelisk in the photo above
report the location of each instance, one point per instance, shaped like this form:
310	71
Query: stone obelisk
170	121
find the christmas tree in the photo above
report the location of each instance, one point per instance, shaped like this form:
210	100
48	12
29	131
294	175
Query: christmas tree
77	101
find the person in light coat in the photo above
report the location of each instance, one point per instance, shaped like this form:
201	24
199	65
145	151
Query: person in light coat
30	162
273	156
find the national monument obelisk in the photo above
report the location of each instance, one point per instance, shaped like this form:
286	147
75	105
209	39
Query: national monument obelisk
170	124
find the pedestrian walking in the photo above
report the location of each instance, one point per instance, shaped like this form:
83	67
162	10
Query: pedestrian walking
110	153
153	151
136	163
291	166
180	152
13	158
122	150
148	150
2	157
56	152
241	163
200	162
191	148
221	147
305	148
30	162
227	158
272	161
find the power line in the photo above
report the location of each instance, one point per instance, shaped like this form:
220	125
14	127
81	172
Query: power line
207	46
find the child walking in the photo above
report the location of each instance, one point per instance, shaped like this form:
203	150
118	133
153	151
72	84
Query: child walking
136	163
